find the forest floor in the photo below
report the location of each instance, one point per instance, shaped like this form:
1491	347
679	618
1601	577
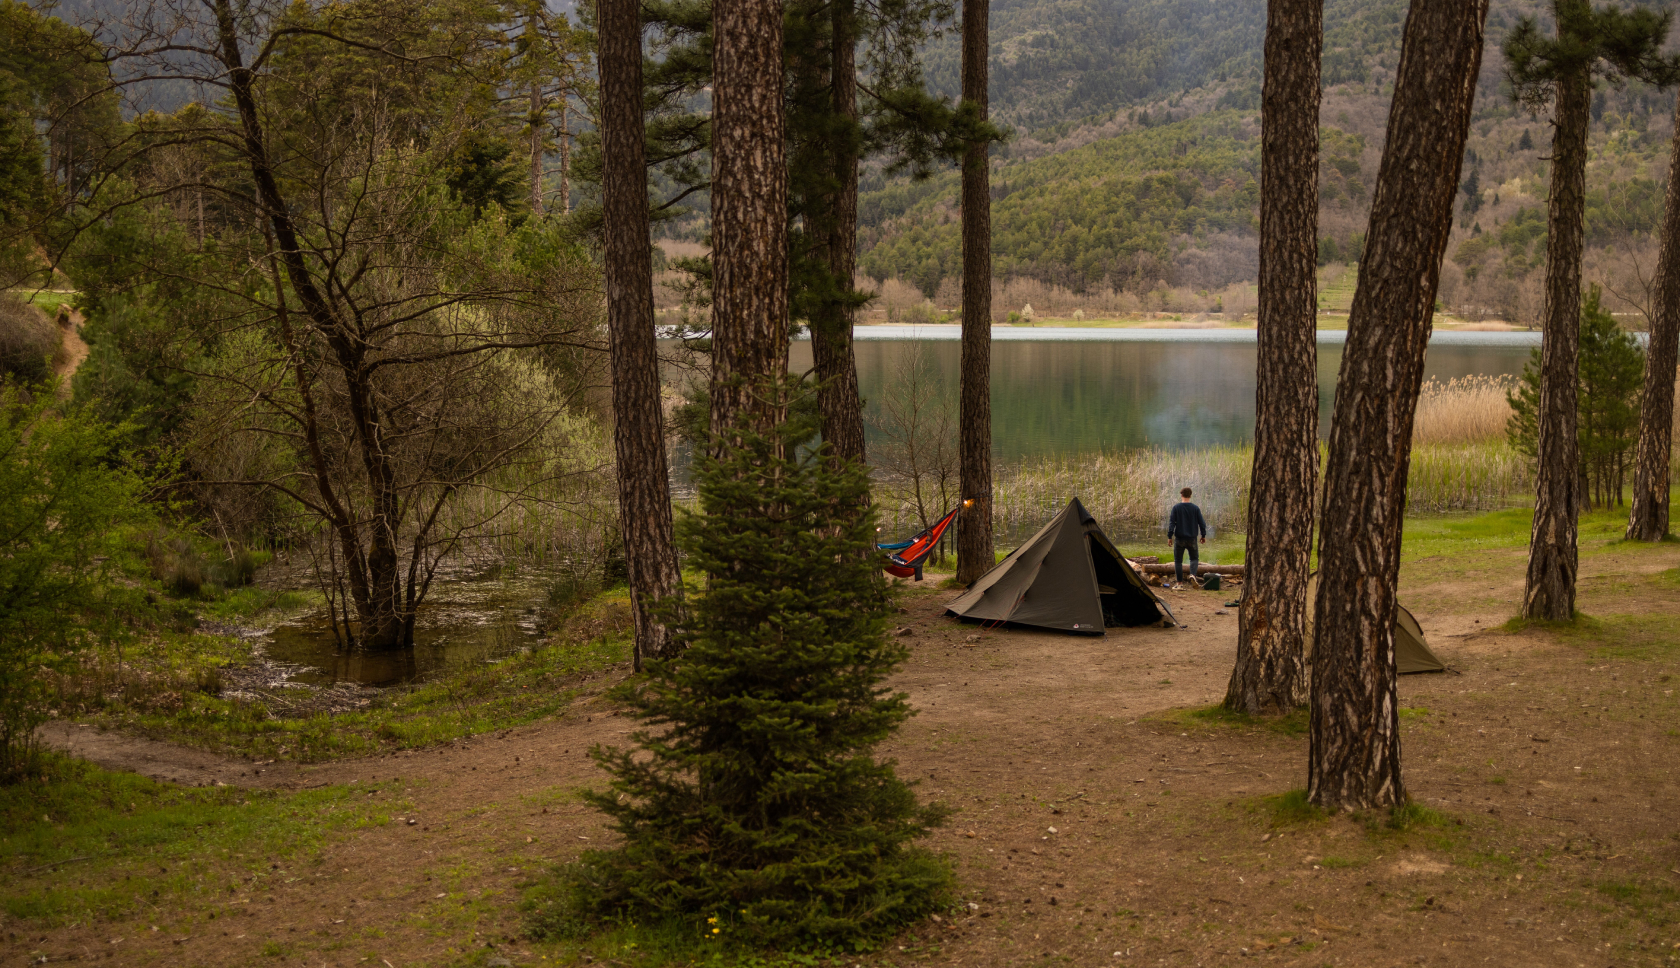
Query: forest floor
1106	813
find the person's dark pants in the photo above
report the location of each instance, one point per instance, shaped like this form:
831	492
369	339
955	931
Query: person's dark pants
1180	546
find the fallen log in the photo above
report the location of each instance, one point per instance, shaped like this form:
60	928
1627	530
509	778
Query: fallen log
1167	569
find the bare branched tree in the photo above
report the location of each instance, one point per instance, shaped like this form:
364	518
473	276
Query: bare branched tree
374	312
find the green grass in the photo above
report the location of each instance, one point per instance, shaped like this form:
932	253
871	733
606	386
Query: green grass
1413	816
236	604
1652	901
118	842
1293	808
1641	637
47	300
478	699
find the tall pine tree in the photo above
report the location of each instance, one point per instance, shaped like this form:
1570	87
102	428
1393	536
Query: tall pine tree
1619	44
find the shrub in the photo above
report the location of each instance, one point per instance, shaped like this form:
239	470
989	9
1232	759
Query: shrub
28	340
64	501
755	808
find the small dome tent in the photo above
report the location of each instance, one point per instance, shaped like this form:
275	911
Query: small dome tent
1411	649
1067	577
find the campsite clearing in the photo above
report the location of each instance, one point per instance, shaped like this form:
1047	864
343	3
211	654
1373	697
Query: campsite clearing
1103	806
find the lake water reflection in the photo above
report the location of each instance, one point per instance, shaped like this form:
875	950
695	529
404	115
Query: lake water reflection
1070	396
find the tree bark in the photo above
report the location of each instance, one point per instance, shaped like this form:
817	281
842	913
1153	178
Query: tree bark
565	150
536	149
974	433
1559	487
1648	518
749	213
644	497
1270	674
1354	759
832	353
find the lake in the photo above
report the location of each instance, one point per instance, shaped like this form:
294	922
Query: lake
1071	391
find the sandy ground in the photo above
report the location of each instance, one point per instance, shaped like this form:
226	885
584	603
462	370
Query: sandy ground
1094	826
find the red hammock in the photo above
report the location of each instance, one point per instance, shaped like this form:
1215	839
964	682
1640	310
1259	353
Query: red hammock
908	563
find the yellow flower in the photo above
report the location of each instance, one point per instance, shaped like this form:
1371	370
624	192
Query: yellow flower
714	930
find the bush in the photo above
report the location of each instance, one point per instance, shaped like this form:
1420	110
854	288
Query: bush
756	810
28	340
64	501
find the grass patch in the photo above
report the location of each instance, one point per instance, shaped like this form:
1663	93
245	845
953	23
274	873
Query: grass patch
177	696
78	843
1412	816
1293	808
478	699
46	300
1651	901
245	603
1643	637
1294	723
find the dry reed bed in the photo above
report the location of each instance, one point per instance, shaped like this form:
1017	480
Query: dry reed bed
1460	462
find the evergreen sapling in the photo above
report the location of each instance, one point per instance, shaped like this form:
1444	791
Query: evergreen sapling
752	808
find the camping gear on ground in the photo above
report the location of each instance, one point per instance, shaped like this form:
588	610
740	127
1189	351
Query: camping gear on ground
1211	583
907	562
1067	577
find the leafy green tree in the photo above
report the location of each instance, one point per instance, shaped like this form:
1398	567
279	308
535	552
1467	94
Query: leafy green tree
752	796
65	502
1607	402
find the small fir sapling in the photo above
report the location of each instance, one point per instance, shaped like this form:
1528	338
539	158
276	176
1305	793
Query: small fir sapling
752	807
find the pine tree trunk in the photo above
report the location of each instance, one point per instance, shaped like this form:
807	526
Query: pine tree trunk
1270	674
832	353
536	149
1648	519
749	212
565	151
1560	488
1354	759
974	414
644	498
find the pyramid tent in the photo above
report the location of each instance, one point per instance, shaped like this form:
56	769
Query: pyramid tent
1411	649
1067	577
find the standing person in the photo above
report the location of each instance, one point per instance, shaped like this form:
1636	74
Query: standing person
1184	526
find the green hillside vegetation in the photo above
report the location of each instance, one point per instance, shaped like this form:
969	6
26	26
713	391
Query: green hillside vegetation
1115	212
1056	62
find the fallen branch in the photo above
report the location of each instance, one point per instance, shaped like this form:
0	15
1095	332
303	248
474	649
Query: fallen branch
1167	569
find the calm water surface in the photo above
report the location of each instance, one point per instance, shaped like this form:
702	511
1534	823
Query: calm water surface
1174	389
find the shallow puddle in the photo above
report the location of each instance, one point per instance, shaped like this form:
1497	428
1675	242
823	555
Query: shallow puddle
474	618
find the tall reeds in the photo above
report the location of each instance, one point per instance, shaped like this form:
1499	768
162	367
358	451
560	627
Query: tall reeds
1467	410
1460	462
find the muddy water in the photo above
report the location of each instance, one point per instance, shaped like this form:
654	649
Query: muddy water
471	618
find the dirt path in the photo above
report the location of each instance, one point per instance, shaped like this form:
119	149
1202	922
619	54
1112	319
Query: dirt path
1094	826
75	350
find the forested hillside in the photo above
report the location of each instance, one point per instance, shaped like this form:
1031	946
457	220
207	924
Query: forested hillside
1133	161
1055	62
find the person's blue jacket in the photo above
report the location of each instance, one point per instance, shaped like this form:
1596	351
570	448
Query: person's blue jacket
1186	523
